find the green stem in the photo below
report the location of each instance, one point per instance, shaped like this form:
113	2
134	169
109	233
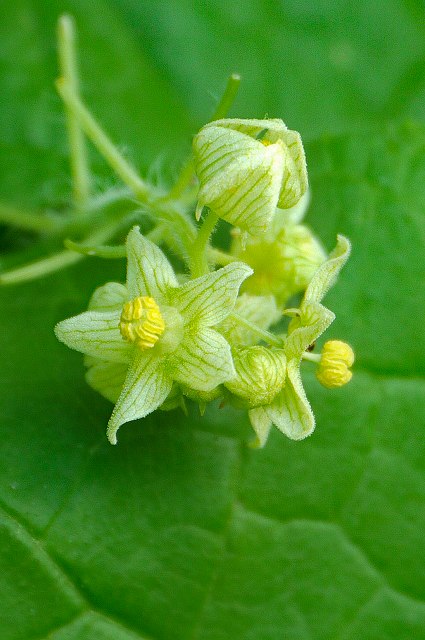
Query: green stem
34	270
312	357
101	141
198	254
187	173
108	251
185	178
53	263
58	224
228	97
27	220
68	65
99	251
261	333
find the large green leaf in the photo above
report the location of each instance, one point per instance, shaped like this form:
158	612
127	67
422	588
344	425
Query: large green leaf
181	531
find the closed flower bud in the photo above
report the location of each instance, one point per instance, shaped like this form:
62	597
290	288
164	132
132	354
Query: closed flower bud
283	263
247	168
260	375
333	370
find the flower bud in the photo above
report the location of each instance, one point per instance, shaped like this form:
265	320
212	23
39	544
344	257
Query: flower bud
247	168
260	375
284	264
333	370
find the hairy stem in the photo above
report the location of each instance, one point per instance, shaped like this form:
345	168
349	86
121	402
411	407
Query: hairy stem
198	255
28	220
102	142
45	266
228	97
108	251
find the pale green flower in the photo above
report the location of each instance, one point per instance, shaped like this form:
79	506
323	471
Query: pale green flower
284	259
247	168
290	410
142	337
283	263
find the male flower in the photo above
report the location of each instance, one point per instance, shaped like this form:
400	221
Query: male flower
153	332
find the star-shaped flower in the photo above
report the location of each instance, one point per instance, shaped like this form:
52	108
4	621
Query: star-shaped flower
290	410
153	332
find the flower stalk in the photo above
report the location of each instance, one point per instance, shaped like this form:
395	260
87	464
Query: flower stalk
78	154
102	142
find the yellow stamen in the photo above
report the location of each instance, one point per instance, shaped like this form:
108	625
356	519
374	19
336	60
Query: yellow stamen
141	322
333	370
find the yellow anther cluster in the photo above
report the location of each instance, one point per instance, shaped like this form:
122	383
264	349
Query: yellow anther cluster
333	370
141	322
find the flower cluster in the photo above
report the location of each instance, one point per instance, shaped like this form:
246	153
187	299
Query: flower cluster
212	332
235	326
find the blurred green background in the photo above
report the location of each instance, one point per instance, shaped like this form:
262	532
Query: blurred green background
181	532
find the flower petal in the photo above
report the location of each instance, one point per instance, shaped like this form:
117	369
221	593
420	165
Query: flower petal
274	127
145	389
95	333
148	271
107	378
210	298
240	177
203	361
326	275
248	203
294	179
290	411
216	147
110	297
304	329
261	424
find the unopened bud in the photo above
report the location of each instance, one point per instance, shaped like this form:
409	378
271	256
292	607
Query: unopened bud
247	168
260	375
